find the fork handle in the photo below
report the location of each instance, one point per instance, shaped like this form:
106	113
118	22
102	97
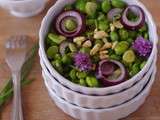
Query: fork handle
17	104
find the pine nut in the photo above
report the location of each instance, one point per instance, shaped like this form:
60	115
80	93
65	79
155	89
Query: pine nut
95	49
114	44
117	24
104	57
87	43
79	40
100	34
106	46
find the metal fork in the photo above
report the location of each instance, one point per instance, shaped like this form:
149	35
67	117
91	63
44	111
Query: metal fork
16	49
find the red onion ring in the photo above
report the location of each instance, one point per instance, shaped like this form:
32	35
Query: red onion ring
106	67
131	25
104	79
113	12
75	15
63	47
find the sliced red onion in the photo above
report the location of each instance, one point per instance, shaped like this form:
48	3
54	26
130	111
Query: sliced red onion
105	79
113	13
78	17
133	25
63	46
106	67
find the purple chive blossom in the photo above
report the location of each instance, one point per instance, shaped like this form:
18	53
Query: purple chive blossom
142	47
83	62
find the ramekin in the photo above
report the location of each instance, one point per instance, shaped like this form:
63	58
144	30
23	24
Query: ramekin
23	8
54	10
113	113
89	101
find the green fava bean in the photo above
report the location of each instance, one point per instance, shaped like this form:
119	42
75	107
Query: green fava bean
115	57
72	47
130	40
57	57
80	5
146	36
56	38
49	42
66	59
82	82
123	34
103	25
135	69
58	65
106	6
114	36
143	64
81	75
92	82
52	51
72	74
91	8
101	16
121	47
129	56
118	3
70	24
85	50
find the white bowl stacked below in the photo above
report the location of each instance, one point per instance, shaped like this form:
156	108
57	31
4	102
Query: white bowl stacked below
113	113
82	102
91	101
47	21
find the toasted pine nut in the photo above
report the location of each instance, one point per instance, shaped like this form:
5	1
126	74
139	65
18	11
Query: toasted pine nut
106	46
114	44
100	34
117	24
104	57
95	49
96	30
79	40
112	28
87	43
105	40
103	52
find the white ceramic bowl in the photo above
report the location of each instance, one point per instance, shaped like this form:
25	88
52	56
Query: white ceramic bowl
89	101
23	8
54	10
113	113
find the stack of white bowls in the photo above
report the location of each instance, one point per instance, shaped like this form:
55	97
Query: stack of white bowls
110	103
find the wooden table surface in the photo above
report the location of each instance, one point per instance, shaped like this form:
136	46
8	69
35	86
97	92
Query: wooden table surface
36	102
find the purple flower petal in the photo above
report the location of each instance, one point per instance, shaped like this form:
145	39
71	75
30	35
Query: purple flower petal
83	62
142	47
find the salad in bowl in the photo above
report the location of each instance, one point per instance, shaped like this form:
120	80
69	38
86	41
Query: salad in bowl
99	43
